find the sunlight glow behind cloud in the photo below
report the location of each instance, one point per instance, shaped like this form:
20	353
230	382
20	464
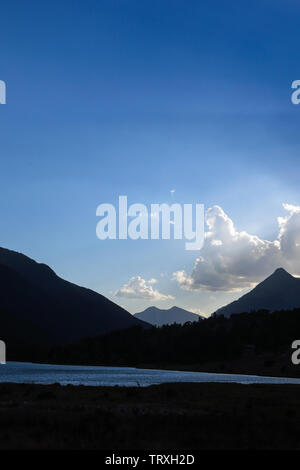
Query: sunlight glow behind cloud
232	260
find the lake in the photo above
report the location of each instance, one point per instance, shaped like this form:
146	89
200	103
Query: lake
21	372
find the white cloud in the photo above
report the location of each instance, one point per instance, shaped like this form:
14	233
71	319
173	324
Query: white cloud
232	260
139	288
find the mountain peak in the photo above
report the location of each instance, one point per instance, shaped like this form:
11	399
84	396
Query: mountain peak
281	271
159	317
280	291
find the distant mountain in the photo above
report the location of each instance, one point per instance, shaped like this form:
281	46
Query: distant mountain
279	291
39	308
158	317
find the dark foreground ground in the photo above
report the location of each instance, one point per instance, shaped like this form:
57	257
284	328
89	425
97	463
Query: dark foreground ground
183	416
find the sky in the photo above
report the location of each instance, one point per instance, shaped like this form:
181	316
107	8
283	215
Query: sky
163	101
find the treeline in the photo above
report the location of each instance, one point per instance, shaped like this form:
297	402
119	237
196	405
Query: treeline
217	338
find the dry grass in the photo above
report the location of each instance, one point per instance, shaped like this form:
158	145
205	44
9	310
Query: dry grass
183	416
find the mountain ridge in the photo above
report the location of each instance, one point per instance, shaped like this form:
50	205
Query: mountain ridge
279	291
33	295
159	317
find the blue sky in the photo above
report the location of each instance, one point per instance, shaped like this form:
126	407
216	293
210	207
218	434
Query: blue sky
106	98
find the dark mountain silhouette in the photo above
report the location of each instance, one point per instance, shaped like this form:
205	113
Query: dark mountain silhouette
280	291
158	317
39	308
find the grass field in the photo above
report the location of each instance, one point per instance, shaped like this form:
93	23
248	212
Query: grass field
183	416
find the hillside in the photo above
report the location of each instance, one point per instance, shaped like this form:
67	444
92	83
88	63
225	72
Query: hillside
280	291
39	308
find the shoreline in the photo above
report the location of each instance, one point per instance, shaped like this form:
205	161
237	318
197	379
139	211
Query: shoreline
262	365
78	375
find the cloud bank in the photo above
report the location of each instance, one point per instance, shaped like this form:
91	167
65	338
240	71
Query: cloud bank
139	288
232	260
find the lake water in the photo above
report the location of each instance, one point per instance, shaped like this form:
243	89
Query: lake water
21	372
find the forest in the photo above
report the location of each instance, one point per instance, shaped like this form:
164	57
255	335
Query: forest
218	339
